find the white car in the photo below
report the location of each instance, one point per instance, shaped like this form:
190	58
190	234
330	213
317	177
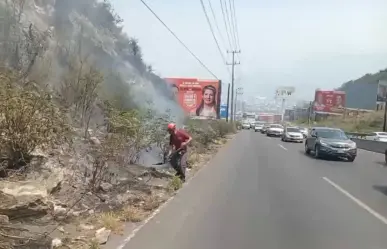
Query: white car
292	134
258	127
304	131
246	125
378	136
275	130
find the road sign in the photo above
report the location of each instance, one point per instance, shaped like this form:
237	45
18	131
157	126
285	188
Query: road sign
223	111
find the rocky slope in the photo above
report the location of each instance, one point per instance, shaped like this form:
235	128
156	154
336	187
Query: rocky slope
79	109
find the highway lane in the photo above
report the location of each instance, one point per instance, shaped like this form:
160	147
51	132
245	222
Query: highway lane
366	178
257	194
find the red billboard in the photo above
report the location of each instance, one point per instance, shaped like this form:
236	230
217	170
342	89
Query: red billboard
329	101
198	98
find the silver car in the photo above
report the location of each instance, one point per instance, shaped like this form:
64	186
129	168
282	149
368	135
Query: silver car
292	134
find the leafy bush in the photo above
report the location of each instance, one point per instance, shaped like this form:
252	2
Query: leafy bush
222	128
28	119
205	132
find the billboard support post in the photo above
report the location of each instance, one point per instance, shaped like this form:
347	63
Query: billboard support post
239	91
233	63
310	112
228	101
283	93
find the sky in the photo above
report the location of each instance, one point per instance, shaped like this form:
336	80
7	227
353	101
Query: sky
283	42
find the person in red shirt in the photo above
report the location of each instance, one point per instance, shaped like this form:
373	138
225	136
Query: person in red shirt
178	141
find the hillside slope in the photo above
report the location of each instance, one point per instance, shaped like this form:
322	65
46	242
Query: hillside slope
361	93
87	30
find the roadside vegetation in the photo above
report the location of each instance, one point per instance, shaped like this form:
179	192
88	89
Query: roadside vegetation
361	123
74	131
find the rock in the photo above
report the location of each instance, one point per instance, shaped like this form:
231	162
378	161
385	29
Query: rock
102	235
4	219
59	211
105	186
95	141
22	206
86	227
56	243
76	213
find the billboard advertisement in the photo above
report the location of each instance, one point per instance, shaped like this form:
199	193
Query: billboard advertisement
268	118
284	91
381	96
223	111
199	98
329	101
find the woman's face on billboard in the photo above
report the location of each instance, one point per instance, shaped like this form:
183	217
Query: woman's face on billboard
339	100
208	97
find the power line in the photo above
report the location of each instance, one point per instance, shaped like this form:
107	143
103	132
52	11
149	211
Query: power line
235	23
232	23
216	23
177	38
212	31
225	24
232	32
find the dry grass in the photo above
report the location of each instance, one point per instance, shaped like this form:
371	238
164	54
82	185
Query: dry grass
152	202
132	214
174	184
94	245
111	221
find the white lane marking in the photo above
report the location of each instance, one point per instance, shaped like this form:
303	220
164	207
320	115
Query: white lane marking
357	201
280	145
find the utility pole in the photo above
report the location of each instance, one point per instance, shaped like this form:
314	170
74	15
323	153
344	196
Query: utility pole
239	91
232	64
228	101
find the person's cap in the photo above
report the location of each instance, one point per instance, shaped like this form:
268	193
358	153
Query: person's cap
171	126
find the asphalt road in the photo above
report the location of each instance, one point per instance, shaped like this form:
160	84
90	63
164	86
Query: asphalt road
259	192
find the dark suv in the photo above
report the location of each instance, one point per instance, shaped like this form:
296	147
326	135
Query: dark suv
331	142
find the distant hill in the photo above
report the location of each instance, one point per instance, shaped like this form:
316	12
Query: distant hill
361	93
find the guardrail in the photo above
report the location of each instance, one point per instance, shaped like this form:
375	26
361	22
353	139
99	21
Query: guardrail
371	145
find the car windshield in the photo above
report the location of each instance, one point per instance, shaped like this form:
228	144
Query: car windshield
292	129
382	134
335	134
275	126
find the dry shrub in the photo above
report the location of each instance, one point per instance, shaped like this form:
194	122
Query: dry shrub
94	244
111	221
79	89
108	151
193	159
151	202
174	184
132	214
28	119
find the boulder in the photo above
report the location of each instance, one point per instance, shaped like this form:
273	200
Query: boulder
4	219
22	199
102	235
